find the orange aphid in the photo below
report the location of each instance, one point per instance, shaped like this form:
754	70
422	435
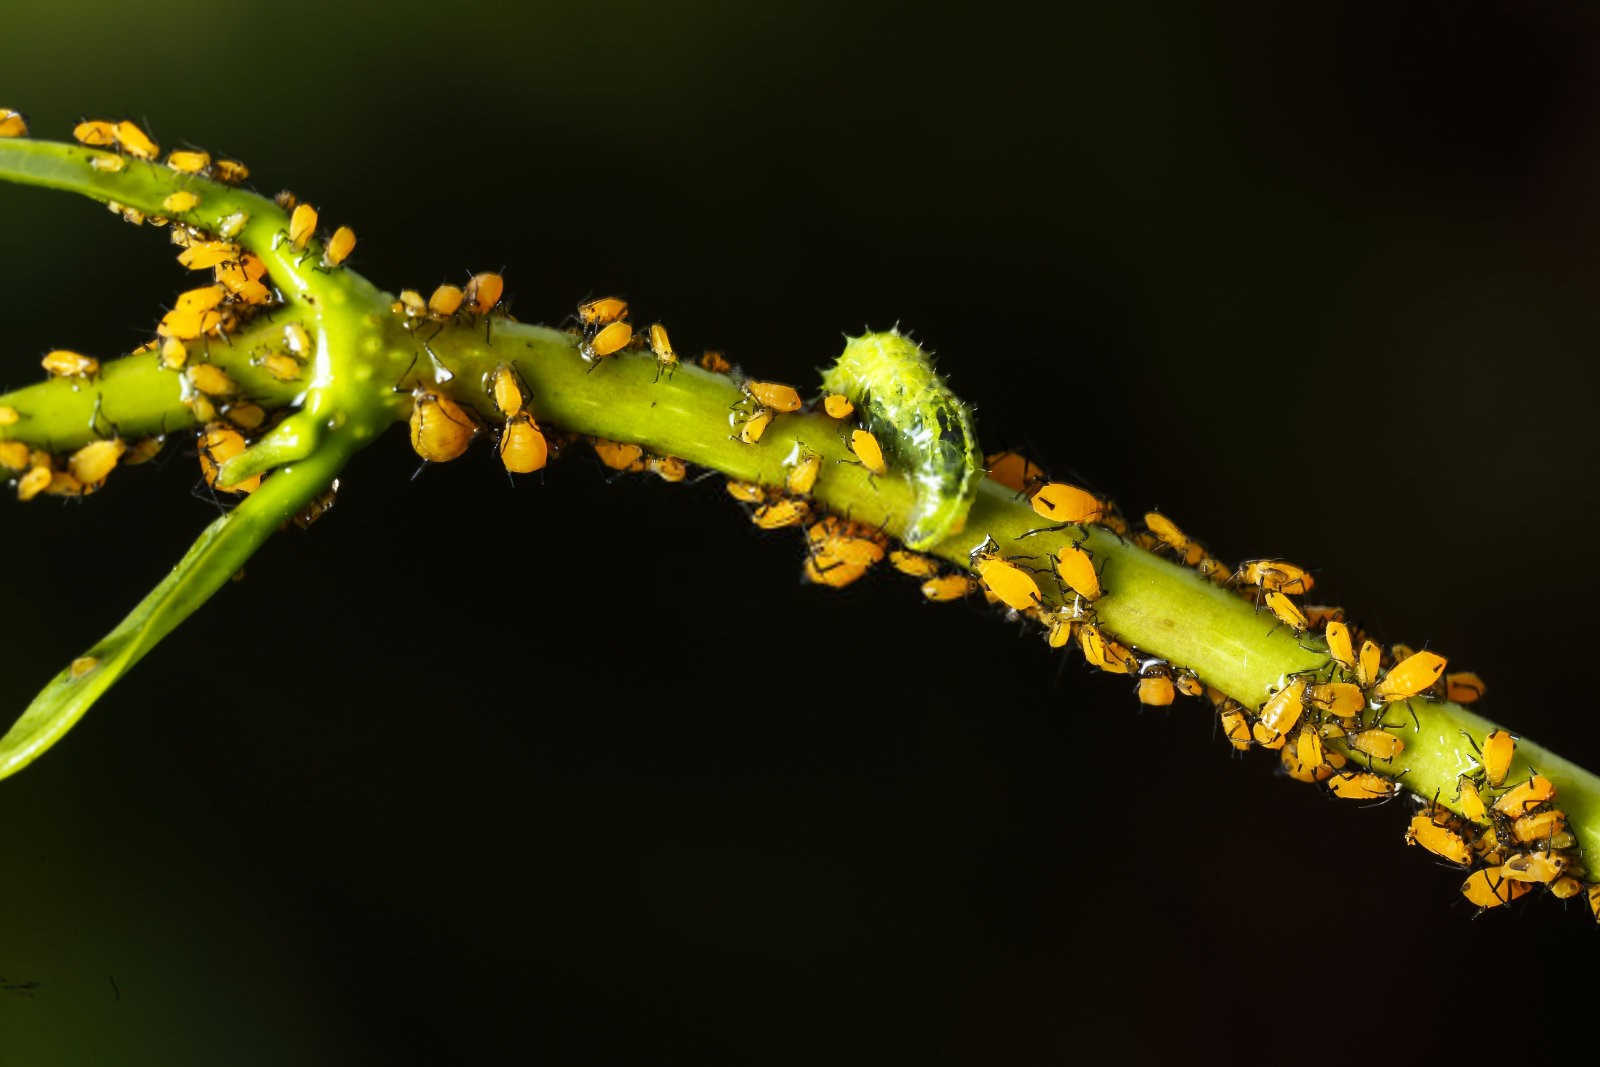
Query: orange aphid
1014	471
1076	568
1283	709
523	448
865	447
441	429
1060	502
1526	796
135	141
1410	676
1463	687
218	444
1014	586
1340	648
302	224
1498	748
484	291
1362	785
837	405
1490	888
778	397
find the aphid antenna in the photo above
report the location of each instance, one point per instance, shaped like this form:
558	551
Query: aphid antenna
1044	529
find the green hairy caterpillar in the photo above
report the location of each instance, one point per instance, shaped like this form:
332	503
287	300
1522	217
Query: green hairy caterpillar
923	428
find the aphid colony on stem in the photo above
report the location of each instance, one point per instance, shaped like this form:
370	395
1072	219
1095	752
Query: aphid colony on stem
1335	725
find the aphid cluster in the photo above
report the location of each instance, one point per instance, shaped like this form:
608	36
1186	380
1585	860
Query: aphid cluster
239	290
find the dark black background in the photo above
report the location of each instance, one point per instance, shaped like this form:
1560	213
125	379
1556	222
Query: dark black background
579	772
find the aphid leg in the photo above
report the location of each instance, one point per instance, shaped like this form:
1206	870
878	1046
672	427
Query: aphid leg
1043	529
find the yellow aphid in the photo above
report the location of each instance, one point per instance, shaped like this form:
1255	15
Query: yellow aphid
1377	743
1015	471
174	353
506	390
1267	738
247	416
1277	574
1286	611
203	409
36	481
1498	748
1060	502
1440	840
1213	570
12	123
661	346
778	397
188	325
143	451
63	483
229	171
339	246
610	340
1463	687
483	291
82	666
1367	663
179	202
202	299
283	367
602	312
96	133
802	475
751	429
714	362
1104	652
188	162
1540	826
208	254
1490	888
302	224
1167	533
297	340
129	214
1156	689
913	563
1235	725
1283	709
411	303
440	429
523	448
1189	685
1060	629
837	406
218	444
1014	586
212	380
1337	698
95	461
232	225
1076	568
780	513
14	455
1566	887
1310	751
8	415
136	142
834	573
1362	785
1340	648
864	446
285	199
949	587
1543	867
1526	796
109	164
619	456
748	492
1471	800
67	364
667	468
847	541
1410	676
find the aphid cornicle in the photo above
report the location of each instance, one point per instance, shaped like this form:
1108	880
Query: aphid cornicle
1410	676
483	292
441	429
1014	586
1060	502
523	448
